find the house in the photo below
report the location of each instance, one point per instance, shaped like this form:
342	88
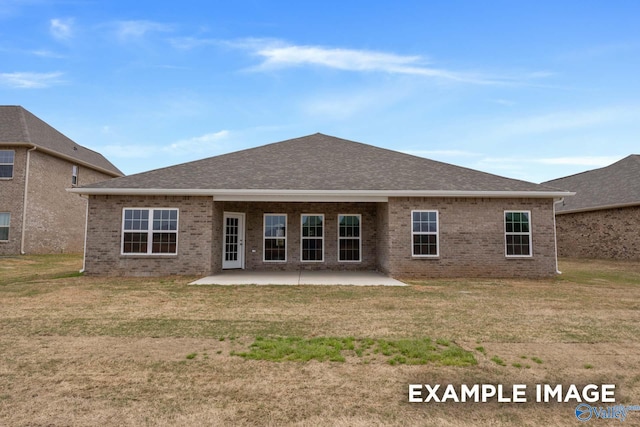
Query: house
37	165
320	202
603	219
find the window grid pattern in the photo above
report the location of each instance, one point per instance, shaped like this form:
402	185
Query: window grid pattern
275	237
7	158
5	218
517	228
349	238
156	226
425	233
74	175
313	238
231	239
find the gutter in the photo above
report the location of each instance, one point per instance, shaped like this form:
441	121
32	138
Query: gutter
599	208
555	233
24	202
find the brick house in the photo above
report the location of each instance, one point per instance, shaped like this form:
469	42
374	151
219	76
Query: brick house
320	202
37	165
603	219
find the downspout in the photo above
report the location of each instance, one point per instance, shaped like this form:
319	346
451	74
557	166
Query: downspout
24	202
86	228
555	233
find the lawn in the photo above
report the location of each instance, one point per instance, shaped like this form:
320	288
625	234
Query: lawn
80	351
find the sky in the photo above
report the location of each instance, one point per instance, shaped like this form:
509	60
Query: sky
532	90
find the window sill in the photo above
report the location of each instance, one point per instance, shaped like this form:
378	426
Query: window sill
145	256
425	256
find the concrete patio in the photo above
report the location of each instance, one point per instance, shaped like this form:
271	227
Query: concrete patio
350	278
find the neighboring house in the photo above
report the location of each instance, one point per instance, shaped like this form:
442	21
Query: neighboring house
603	219
320	202
37	165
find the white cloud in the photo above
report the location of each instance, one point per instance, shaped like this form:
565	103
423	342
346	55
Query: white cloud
597	161
61	29
28	80
128	30
441	153
47	54
198	144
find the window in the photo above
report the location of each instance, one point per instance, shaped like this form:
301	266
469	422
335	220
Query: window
5	217
6	163
150	231
275	237
74	175
349	248
517	230
425	233
313	238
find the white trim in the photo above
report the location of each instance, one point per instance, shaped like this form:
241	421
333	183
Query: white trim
350	238
228	195
264	237
13	167
529	233
8	227
241	236
74	175
599	208
429	233
150	231
324	224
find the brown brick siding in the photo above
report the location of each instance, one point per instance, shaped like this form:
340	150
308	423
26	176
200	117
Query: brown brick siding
471	238
11	200
604	234
104	235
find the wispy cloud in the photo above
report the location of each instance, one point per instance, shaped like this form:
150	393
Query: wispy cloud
61	29
597	161
442	153
199	144
132	30
29	80
47	54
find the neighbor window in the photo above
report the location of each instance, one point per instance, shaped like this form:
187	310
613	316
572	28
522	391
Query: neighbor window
5	217
517	230
312	238
349	238
74	175
275	237
425	233
150	231
6	163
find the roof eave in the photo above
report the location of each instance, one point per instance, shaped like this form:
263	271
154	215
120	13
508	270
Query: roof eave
598	208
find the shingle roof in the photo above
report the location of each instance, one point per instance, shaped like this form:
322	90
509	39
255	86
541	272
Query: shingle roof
318	163
614	185
19	126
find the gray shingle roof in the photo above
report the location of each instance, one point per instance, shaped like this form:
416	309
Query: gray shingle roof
614	185
19	126
319	163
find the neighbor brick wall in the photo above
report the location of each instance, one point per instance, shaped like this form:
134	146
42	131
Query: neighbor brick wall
471	238
604	234
55	220
104	233
254	234
11	200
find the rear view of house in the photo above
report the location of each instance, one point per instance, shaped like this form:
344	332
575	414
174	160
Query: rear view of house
603	219
323	203
37	165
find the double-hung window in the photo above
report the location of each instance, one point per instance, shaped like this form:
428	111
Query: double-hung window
7	157
349	243
150	231
275	237
517	230
424	232
5	218
74	175
312	246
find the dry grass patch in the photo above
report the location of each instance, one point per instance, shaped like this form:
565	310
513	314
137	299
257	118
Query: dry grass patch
154	351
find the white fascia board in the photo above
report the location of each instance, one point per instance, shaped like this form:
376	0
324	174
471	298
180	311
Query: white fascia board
598	208
313	195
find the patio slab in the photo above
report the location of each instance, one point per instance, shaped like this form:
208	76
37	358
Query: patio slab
349	278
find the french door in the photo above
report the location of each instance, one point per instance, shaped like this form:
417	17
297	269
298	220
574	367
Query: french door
233	241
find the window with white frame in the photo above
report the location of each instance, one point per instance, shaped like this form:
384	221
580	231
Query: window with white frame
150	231
7	157
5	218
424	233
74	175
275	237
349	243
312	241
517	230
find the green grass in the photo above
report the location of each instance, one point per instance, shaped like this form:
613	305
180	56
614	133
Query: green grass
498	361
334	349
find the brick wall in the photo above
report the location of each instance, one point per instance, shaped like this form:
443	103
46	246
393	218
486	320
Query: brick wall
471	238
11	200
104	233
604	234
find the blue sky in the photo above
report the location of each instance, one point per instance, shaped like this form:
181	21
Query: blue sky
532	90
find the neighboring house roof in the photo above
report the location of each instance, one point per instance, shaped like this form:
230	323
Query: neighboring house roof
318	165
19	127
616	185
